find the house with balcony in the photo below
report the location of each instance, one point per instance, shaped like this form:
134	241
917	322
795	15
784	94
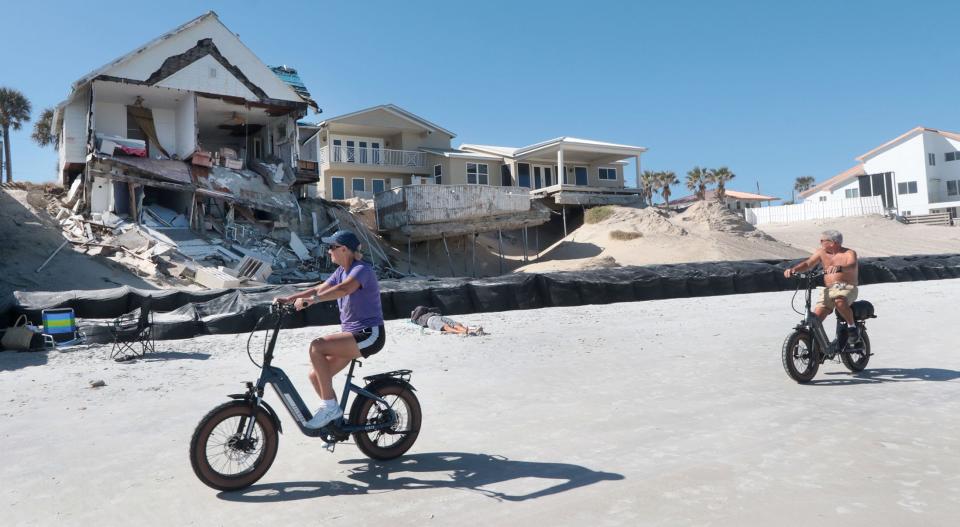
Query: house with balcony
366	152
191	120
568	170
916	173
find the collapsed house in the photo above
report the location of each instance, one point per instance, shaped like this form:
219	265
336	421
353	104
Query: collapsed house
192	141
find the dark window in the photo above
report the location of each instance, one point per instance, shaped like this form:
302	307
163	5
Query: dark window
378	186
375	150
608	173
523	174
932	159
505	179
477	174
950	156
338	189
908	187
337	153
953	187
437	174
363	151
580	175
351	152
359	184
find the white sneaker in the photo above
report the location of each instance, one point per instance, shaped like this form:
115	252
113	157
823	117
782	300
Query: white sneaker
324	415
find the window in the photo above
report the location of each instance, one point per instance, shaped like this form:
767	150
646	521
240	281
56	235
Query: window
437	174
950	156
932	159
477	174
358	184
337	152
337	190
823	198
505	179
851	193
908	187
607	173
378	186
580	176
953	187
523	174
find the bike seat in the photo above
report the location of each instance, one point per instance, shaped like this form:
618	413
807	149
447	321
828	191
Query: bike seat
862	310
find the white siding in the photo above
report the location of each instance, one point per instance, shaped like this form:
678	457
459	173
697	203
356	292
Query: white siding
208	76
186	126
907	161
74	134
110	118
165	123
141	65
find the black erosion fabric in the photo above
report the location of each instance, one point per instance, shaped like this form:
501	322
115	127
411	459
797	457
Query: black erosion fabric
184	314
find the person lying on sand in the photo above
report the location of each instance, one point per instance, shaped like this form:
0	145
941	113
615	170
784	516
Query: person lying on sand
431	318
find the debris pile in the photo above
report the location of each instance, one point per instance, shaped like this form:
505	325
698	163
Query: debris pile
213	240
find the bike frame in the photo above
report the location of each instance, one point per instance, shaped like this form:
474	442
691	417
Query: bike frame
337	430
812	323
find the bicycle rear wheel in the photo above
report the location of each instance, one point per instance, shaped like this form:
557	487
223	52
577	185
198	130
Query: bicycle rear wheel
221	458
392	442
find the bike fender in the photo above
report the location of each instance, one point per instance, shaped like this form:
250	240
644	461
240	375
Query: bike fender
270	411
385	382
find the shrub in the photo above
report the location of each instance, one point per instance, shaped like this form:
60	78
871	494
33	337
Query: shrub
625	235
598	214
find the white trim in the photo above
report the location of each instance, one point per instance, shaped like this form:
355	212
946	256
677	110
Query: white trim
467	173
361	179
586	170
396	110
616	176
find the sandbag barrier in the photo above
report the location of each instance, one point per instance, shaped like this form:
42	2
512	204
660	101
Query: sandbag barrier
184	314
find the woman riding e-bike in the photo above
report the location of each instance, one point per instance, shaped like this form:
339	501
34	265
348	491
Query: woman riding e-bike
354	286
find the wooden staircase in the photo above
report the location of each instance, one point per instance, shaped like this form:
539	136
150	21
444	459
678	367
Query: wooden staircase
940	218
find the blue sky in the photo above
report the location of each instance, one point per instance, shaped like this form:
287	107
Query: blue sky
773	90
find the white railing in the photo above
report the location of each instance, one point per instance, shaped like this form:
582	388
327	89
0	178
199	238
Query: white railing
384	157
815	210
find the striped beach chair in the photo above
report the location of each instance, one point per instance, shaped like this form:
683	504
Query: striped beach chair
60	327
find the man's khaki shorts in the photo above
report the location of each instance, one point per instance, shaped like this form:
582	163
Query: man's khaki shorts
829	294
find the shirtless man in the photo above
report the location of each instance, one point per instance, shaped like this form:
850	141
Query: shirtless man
839	276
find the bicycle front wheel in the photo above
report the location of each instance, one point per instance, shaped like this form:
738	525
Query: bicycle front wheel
392	442
220	455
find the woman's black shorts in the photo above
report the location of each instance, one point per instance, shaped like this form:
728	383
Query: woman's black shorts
370	340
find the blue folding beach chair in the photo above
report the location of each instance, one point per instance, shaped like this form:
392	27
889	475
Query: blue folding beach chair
60	327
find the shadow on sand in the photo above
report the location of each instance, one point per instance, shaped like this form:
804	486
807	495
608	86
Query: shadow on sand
480	473
881	375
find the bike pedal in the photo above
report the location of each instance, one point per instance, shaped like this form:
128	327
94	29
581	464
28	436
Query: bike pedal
329	447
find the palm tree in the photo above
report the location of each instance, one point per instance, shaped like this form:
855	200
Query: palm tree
14	111
697	182
719	177
648	185
665	179
803	183
43	133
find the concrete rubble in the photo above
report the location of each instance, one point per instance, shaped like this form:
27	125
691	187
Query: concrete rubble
244	231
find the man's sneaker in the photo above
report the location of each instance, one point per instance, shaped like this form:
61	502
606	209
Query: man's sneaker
324	415
853	336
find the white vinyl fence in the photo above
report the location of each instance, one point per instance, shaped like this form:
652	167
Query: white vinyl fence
815	210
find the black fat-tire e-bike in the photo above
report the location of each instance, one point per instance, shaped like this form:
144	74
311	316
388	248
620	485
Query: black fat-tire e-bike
807	347
234	445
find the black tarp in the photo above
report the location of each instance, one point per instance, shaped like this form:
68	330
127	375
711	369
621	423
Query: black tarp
182	314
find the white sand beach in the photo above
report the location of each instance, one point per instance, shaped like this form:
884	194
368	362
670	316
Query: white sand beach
673	412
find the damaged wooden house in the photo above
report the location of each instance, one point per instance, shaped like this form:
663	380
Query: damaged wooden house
189	131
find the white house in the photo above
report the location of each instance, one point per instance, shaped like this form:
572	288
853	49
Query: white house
131	126
915	173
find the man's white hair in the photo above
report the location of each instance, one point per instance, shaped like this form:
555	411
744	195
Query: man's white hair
833	236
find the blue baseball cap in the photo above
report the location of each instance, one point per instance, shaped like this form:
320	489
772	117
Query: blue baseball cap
343	237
